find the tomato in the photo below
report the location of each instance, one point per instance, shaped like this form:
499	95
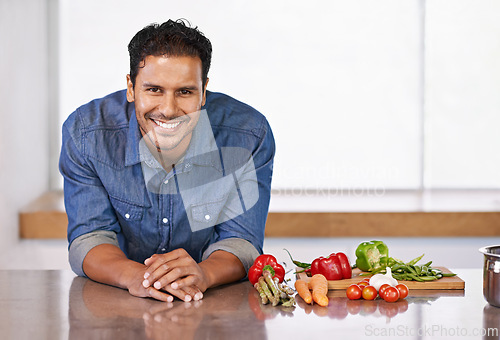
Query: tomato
391	294
345	267
403	290
369	293
363	284
353	292
383	288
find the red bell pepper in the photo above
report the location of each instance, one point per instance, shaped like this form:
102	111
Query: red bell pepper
265	261
334	267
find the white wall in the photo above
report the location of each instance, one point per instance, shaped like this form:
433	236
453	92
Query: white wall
339	81
463	93
24	140
364	94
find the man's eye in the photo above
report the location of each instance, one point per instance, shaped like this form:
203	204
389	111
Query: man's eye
184	92
154	89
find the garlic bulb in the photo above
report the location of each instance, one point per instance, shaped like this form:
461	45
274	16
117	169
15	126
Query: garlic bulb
378	280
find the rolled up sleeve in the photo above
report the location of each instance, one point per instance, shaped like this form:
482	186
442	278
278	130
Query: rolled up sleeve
80	247
240	248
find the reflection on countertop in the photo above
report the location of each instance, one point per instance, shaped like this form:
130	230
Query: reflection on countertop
58	305
101	311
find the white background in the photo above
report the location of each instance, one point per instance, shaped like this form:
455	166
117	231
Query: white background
339	81
360	94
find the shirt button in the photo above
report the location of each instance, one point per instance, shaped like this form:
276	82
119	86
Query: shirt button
166	181
163	249
127	216
165	220
207	217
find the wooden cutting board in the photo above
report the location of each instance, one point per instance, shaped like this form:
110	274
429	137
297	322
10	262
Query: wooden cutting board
453	282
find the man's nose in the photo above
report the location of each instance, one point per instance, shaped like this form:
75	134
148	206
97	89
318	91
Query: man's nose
168	105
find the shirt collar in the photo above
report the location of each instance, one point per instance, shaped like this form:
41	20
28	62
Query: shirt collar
132	155
202	149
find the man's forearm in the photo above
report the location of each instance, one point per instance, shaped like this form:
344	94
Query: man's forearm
107	264
222	267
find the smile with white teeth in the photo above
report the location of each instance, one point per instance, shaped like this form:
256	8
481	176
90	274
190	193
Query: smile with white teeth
166	125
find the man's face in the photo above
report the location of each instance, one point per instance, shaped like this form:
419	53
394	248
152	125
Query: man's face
168	95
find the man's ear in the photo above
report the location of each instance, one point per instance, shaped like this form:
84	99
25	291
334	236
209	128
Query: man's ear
130	89
204	93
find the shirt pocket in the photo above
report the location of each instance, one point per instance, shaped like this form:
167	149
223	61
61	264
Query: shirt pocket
207	214
127	211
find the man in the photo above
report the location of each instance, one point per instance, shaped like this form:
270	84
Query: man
166	184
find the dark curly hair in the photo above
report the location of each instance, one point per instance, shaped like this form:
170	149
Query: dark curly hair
172	38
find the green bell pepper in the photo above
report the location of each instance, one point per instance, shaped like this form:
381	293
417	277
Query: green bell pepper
371	255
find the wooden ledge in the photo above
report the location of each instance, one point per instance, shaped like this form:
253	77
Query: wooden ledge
404	224
45	218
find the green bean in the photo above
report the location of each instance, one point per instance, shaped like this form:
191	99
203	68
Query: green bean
297	263
402	277
428	278
397	266
415	277
415	260
411	270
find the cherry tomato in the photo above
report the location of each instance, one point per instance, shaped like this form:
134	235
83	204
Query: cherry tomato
366	279
403	290
363	284
353	292
369	293
391	294
383	288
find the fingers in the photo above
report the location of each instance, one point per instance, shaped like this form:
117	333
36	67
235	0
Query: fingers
159	295
179	276
186	294
169	272
166	269
194	292
158	263
175	272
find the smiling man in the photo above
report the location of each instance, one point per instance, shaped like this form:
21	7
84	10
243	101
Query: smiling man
166	184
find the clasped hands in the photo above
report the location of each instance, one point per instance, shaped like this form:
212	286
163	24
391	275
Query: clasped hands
174	274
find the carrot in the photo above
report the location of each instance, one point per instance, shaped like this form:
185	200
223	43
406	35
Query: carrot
319	286
303	290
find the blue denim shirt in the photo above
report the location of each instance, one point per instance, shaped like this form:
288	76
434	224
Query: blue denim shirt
216	198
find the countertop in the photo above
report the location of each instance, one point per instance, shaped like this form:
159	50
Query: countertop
59	305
